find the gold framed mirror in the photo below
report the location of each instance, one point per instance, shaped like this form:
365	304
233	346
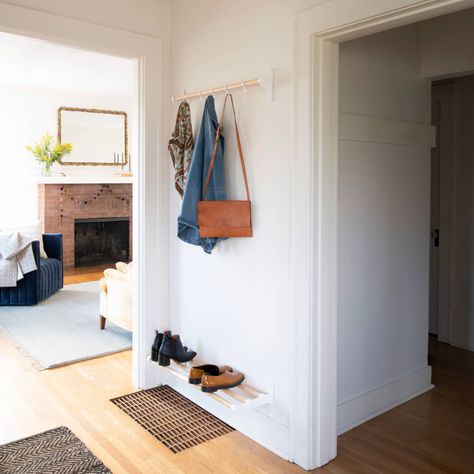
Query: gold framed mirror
98	137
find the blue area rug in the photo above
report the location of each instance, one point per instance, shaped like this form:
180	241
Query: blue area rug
64	328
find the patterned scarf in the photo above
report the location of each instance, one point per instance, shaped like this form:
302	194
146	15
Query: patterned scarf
181	146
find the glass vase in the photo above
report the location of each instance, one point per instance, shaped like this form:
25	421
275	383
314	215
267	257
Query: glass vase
47	169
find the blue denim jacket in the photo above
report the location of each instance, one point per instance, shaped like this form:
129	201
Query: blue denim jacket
188	230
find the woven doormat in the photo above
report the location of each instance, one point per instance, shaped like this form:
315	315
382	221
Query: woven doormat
171	418
56	451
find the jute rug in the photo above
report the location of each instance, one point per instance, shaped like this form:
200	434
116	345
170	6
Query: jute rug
56	451
172	419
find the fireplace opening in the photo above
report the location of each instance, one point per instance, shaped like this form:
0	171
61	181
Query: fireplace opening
98	241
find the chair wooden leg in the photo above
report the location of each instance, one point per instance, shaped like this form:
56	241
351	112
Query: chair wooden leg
102	321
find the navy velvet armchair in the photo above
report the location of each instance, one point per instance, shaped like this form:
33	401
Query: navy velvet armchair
43	282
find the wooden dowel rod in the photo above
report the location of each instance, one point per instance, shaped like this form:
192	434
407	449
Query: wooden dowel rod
232	394
217	90
250	390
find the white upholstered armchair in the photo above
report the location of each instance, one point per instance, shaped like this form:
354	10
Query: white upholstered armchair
116	296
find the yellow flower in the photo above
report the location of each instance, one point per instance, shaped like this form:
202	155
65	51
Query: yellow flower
46	153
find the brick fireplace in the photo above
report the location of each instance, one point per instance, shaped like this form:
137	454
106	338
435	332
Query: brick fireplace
60	206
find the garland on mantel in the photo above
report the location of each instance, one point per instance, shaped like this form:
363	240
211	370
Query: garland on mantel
101	191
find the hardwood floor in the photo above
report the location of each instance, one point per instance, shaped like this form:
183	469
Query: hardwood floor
78	396
433	433
84	274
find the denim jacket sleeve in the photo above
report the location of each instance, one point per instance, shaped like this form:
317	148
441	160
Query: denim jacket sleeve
188	230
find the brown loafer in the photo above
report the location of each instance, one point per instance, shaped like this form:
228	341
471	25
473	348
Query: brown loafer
196	373
212	383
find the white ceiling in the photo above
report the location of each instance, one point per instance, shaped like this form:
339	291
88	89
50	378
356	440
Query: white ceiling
37	64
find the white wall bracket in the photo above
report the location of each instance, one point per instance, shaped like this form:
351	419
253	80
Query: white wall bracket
267	83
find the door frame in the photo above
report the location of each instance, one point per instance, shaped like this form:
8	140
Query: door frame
443	93
150	182
315	36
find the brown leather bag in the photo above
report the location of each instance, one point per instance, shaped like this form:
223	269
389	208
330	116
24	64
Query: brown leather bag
225	218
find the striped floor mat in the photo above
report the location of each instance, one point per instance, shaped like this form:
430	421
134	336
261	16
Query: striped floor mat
171	418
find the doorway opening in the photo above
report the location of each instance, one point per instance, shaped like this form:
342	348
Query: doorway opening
404	218
78	216
451	318
318	34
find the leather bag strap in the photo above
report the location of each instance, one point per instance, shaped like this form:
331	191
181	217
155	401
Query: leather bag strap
214	151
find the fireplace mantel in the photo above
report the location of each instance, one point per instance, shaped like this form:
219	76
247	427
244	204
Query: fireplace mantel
83	179
61	204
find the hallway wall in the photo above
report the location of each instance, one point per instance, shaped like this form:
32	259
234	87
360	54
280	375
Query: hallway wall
461	307
446	45
446	53
233	306
384	209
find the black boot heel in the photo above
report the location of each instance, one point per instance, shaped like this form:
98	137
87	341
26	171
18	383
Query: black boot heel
163	360
155	348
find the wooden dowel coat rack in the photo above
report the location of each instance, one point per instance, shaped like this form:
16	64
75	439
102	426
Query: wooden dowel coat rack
265	82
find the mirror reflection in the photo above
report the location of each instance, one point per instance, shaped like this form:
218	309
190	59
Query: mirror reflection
99	137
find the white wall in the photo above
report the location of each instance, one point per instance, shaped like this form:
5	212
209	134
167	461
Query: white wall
36	78
149	17
447	52
384	203
25	115
233	306
446	45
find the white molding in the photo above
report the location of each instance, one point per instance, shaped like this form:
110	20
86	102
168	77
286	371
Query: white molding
313	206
251	423
361	128
362	408
150	219
445	95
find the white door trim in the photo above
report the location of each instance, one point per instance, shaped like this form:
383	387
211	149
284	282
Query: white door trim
315	34
150	196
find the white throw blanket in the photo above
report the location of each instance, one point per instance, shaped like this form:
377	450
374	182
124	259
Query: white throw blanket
16	258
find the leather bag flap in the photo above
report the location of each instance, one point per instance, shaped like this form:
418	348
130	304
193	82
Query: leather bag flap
224	214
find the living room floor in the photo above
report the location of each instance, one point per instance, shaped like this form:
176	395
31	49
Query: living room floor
84	274
431	433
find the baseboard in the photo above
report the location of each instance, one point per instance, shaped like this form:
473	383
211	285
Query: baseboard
362	408
467	347
254	424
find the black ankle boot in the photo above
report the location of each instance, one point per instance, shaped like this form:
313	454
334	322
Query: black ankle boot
155	348
171	348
